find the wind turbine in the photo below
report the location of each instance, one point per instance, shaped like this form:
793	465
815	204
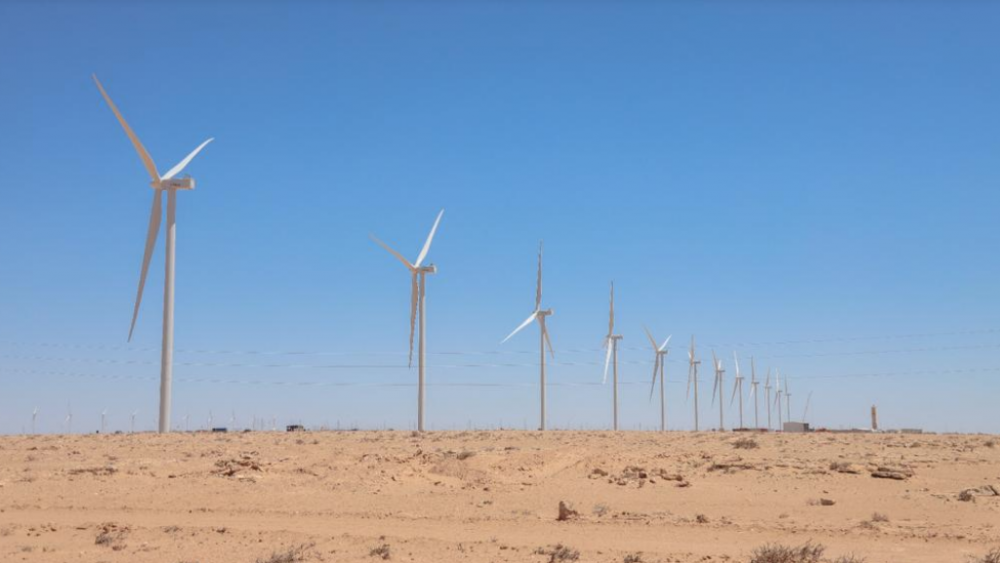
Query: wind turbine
418	274
34	415
767	397
718	386
788	400
611	343
104	416
737	387
805	411
538	315
132	422
661	352
69	419
209	420
693	376
166	183
753	391
777	396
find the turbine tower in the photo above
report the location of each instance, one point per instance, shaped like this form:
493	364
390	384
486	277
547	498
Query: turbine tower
611	343
166	183
418	275
693	377
104	416
132	422
777	396
539	315
69	419
805	411
737	387
718	386
753	391
788	401
34	416
661	352
767	398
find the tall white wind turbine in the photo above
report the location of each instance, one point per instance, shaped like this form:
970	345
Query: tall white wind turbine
104	417
611	343
788	401
753	391
34	416
661	352
69	419
539	315
131	424
170	184
767	398
805	411
693	377
777	397
418	274
718	386
737	387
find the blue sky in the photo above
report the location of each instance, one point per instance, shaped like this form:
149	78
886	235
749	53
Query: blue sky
814	184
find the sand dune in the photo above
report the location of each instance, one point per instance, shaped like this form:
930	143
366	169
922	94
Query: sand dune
495	496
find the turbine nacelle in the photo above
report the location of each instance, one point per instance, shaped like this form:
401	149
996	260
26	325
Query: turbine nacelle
186	183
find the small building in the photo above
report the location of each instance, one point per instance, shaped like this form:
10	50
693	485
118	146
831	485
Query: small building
295	428
796	427
219	429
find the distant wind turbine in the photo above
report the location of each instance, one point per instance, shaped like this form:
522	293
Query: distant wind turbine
777	397
169	184
737	387
718	386
753	391
788	400
34	416
104	416
805	411
767	398
418	275
132	422
661	352
611	343
539	315
693	377
69	419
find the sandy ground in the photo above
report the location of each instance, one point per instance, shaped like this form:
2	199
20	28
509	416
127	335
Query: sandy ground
493	496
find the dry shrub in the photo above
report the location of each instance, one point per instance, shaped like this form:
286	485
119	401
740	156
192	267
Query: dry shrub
966	496
559	553
879	517
992	557
291	555
381	550
465	455
775	553
701	519
633	558
850	559
746	444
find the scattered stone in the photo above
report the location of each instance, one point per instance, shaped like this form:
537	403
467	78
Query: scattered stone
896	473
566	512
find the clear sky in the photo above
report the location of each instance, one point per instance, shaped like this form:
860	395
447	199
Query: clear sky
813	183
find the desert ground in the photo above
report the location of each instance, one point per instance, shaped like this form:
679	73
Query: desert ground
495	496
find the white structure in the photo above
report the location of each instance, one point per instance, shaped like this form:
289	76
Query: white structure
718	386
753	391
777	396
767	398
693	377
611	343
166	183
661	352
418	275
539	315
737	387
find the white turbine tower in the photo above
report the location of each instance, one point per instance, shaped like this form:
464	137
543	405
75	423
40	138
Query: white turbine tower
104	417
418	275
69	419
538	315
611	343
753	391
788	401
209	420
34	416
777	397
718	386
661	352
131	424
737	387
767	398
166	183
805	411
693	377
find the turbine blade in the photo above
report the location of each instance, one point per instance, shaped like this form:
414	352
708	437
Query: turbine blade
689	382
736	387
545	333
611	318
155	215
651	339
607	360
147	160
538	286
430	237
652	387
521	326
715	387
182	164
736	362
413	312
665	342
393	252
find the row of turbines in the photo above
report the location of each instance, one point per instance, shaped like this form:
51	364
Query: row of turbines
171	184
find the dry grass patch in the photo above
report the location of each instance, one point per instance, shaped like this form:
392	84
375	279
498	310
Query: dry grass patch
559	553
776	553
290	555
992	557
746	444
